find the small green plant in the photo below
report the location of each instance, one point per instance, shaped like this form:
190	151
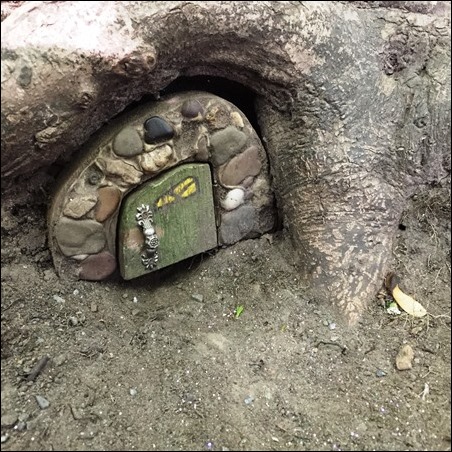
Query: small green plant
238	311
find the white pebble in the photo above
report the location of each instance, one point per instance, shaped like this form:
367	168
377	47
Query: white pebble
233	199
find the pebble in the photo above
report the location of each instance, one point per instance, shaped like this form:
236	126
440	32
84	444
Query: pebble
237	224
198	297
8	420
226	143
233	199
93	307
58	299
157	129
151	162
49	274
249	400
108	201
97	267
79	237
23	417
404	358
4	438
246	164
192	109
127	143
218	117
380	373
121	172
79	206
59	360
133	392
42	402
237	119
21	426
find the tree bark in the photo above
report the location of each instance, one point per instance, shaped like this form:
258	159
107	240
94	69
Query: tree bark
353	104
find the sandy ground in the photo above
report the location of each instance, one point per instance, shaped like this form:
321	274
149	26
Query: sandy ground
164	363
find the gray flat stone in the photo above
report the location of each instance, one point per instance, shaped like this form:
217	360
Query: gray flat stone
79	237
127	143
238	224
42	402
226	143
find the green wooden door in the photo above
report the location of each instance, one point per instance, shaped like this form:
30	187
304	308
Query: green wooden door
182	225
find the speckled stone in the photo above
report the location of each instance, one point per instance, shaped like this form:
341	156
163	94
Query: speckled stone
162	155
154	161
218	117
108	201
241	166
127	143
79	206
97	267
237	225
192	109
79	237
121	172
156	129
226	143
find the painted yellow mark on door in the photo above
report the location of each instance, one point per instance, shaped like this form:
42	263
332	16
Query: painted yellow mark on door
183	189
164	200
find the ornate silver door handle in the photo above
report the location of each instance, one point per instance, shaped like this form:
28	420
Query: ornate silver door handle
144	219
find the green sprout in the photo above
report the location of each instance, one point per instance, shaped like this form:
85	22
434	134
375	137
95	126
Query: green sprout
238	311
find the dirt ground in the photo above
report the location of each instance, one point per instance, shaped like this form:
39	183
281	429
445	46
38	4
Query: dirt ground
163	363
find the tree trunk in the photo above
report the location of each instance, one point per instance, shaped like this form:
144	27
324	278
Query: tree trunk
353	101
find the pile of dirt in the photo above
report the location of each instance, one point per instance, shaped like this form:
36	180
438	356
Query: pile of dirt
222	352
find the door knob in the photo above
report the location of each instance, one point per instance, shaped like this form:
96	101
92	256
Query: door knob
144	219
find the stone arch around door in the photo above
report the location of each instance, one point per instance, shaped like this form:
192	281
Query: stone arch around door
142	144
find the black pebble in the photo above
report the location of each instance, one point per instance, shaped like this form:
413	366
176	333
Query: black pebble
192	108
157	129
